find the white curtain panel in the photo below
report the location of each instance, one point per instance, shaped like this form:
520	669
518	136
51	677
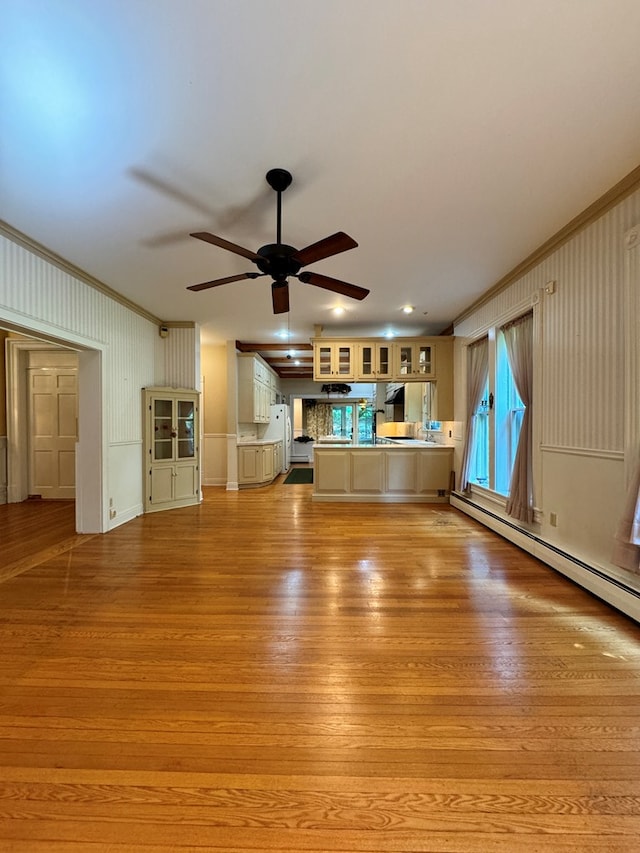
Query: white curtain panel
518	336
477	373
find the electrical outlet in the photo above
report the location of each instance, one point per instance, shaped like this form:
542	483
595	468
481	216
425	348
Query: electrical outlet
112	513
553	519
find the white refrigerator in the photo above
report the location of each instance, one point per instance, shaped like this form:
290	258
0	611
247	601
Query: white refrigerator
279	429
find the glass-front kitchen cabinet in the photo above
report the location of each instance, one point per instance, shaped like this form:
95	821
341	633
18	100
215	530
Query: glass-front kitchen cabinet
414	360
172	448
333	360
374	361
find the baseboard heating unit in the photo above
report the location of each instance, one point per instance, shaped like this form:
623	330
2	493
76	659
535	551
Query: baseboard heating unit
615	590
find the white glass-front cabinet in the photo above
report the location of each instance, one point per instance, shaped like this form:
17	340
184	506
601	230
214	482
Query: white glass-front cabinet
171	452
414	360
374	362
333	361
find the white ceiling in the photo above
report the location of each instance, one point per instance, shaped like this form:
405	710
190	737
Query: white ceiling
449	139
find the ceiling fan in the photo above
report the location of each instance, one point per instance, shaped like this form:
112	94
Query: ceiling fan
281	261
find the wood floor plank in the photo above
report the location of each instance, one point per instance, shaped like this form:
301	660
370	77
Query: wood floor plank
259	673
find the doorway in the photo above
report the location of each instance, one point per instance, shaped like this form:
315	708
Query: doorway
89	450
353	419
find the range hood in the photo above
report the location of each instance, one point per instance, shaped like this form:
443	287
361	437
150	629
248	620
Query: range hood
395	397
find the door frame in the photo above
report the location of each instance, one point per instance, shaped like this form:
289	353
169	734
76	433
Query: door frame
90	455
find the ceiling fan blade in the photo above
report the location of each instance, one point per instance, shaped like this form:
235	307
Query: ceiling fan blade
218	281
225	244
334	284
280	297
333	245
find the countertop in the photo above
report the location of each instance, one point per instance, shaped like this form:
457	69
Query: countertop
253	441
386	444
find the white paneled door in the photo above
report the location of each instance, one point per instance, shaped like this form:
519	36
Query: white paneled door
53	407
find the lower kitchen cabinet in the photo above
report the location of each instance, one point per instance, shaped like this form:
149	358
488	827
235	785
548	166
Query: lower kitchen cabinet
393	474
259	464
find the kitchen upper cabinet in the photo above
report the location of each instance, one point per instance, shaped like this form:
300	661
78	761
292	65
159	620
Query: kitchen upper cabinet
374	361
414	360
257	388
171	451
333	360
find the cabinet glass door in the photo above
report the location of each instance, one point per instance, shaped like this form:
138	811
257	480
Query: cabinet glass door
424	360
383	361
344	361
324	361
406	360
366	367
163	432
186	443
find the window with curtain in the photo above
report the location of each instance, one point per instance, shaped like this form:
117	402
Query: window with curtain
500	444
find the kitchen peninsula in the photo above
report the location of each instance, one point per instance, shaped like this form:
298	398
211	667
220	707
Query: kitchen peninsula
394	471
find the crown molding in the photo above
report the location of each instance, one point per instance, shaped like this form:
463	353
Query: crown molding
616	194
21	239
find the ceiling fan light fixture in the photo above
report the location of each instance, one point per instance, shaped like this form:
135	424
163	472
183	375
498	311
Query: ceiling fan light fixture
281	261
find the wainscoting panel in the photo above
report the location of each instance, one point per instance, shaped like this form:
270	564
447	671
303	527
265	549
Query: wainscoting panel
125	473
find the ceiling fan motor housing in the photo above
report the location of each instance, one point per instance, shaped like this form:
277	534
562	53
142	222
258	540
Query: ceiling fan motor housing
278	260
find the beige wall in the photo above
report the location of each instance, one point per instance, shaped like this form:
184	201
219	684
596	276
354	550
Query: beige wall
213	360
213	363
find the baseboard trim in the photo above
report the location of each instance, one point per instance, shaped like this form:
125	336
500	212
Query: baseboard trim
127	515
596	580
380	499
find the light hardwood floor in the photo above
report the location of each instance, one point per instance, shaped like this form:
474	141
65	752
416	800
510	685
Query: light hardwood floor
260	673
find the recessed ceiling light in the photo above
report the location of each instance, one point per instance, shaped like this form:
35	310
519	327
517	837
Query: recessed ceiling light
338	310
284	334
389	334
408	309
